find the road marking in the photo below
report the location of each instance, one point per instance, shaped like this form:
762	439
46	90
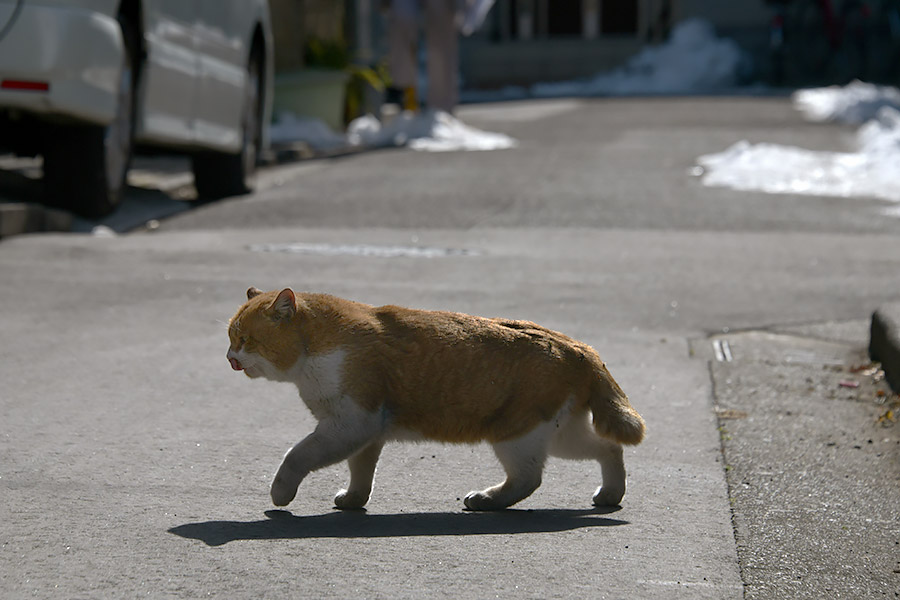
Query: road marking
362	250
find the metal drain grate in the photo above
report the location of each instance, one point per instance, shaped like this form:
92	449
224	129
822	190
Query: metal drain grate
722	350
768	346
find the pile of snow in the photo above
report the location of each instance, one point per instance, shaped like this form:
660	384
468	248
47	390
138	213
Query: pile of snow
870	171
428	131
855	103
693	60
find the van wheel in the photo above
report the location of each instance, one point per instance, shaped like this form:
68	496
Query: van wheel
85	166
219	175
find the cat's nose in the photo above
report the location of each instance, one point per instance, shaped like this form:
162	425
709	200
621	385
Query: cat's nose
235	364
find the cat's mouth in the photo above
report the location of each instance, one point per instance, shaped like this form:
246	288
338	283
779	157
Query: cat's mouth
249	370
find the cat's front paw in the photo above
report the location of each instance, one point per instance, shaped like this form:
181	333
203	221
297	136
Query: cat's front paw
608	496
283	490
481	501
346	500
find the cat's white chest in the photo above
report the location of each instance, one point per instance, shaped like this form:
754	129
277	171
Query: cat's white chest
319	379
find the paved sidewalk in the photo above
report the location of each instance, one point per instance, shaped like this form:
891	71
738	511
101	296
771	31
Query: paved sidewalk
810	460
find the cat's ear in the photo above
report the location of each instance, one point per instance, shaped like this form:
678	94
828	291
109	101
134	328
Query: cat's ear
253	292
285	305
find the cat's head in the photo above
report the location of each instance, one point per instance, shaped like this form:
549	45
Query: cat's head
265	340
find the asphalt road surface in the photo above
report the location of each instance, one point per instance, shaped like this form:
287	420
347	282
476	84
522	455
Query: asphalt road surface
134	462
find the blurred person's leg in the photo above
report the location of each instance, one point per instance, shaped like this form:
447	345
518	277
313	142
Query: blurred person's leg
403	41
443	54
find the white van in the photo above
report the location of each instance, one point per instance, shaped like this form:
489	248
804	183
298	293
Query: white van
84	82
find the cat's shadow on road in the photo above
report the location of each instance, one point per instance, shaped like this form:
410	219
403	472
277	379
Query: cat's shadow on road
281	524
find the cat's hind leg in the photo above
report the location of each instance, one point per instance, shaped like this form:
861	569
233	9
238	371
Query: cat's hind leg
523	459
362	473
337	437
577	440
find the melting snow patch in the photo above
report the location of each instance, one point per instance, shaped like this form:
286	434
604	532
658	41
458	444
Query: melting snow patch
429	131
871	171
855	103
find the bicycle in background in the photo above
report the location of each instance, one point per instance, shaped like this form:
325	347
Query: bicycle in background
816	42
884	55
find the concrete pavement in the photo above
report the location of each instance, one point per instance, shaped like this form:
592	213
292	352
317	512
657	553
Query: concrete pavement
810	458
135	462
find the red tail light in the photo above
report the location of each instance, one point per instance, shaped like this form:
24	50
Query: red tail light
25	86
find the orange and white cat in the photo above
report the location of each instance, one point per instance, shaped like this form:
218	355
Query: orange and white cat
373	374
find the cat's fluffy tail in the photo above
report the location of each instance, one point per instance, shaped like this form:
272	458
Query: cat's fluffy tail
614	417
